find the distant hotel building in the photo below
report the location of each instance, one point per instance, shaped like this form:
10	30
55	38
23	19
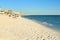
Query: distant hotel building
11	13
5	11
8	11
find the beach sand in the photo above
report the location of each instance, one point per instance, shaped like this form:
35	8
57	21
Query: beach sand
25	29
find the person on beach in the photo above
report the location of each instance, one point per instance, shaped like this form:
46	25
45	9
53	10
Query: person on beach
15	15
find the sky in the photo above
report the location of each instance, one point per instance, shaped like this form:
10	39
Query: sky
33	7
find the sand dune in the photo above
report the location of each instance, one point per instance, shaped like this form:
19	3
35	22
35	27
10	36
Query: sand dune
24	29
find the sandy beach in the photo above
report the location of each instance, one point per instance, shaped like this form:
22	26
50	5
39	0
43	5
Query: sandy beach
25	29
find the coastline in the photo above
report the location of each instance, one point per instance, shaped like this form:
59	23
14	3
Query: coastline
23	29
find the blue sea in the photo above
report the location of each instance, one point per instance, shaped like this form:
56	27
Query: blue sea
51	21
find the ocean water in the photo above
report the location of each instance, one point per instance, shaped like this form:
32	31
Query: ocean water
51	21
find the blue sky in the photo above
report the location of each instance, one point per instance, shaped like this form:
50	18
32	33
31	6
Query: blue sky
34	7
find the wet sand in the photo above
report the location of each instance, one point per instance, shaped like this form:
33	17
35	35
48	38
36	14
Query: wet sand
25	29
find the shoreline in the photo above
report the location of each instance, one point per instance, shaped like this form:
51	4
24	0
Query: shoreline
23	29
42	24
